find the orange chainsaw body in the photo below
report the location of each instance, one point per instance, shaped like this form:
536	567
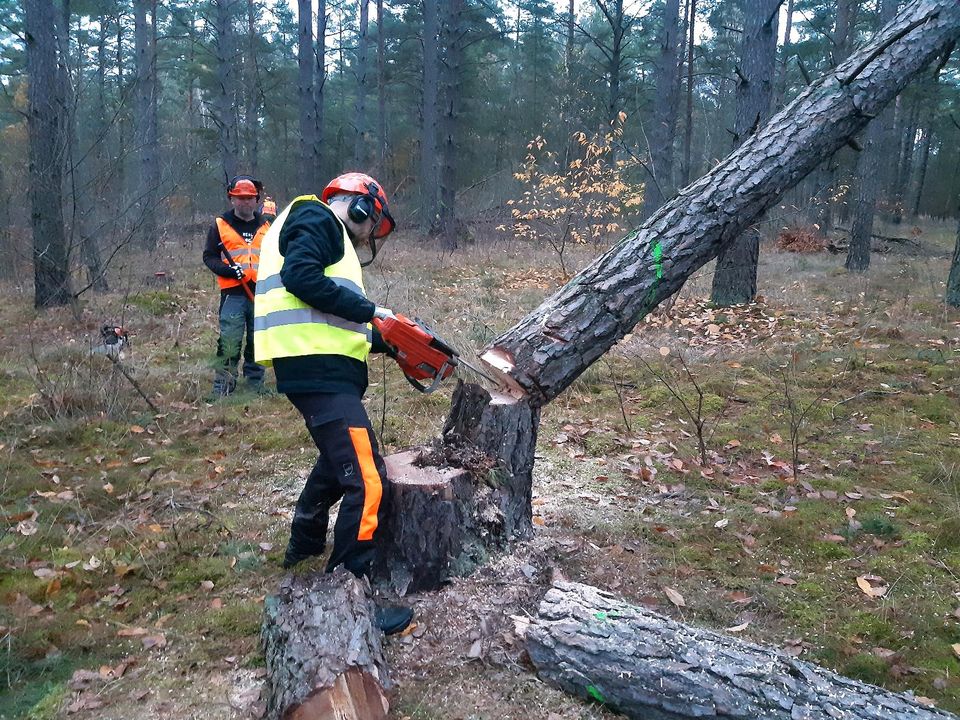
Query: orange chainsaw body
420	354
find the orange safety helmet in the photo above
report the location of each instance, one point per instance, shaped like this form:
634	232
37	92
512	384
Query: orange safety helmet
244	186
371	201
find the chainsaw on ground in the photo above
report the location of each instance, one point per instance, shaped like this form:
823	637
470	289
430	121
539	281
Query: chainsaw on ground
420	353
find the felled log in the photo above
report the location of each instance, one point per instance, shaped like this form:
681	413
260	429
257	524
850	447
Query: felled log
454	502
548	349
647	666
323	651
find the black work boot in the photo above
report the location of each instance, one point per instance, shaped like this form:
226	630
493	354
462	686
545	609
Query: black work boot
392	619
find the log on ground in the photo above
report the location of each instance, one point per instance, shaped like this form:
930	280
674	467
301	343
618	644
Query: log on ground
467	495
644	665
323	651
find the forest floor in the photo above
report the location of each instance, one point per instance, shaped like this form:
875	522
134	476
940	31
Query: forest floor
823	516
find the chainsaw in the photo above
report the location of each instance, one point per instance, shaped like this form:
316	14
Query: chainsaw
420	353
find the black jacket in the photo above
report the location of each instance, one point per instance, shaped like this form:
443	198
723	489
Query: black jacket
212	256
310	241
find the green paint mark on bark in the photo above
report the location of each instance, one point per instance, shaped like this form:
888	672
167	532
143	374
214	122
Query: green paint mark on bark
658	259
600	616
595	694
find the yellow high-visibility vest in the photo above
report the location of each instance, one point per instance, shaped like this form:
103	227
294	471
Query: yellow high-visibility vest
284	325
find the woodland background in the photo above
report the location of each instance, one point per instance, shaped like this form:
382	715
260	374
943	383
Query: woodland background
786	469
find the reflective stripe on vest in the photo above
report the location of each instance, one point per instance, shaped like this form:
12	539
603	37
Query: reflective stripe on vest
246	255
285	326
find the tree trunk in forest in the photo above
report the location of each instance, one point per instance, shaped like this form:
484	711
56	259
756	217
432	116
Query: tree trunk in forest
254	93
446	224
659	183
305	102
953	281
782	76
319	88
381	93
735	277
323	651
548	349
224	96
904	166
453	504
45	125
685	174
428	181
620	24
590	643
869	176
924	161
825	184
361	150
146	139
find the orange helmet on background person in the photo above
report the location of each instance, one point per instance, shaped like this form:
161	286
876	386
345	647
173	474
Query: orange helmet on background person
244	186
371	201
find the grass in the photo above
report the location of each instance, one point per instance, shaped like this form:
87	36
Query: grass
122	542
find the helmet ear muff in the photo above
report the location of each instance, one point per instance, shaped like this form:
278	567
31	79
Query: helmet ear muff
364	207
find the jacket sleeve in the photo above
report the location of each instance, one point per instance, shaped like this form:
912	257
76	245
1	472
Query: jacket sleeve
310	241
211	254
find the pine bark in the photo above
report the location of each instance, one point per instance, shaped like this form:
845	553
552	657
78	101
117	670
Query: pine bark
686	170
649	667
45	127
735	277
381	93
323	651
547	350
319	89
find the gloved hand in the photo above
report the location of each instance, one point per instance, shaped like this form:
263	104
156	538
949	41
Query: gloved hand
237	271
383	313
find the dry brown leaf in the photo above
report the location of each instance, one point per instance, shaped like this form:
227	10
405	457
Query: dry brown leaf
956	649
141	460
674	597
871	585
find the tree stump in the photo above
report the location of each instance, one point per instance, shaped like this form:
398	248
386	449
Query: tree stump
466	496
323	650
645	665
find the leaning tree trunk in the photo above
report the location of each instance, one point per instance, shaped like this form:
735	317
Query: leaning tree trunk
323	651
547	350
649	667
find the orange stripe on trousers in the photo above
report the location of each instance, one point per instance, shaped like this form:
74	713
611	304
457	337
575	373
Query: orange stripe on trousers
373	489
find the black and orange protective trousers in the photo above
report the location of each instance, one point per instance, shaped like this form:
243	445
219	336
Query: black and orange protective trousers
349	470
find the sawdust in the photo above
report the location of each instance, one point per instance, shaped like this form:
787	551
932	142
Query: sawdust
453	451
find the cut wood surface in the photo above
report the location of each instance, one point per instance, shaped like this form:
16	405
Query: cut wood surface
323	652
548	349
647	666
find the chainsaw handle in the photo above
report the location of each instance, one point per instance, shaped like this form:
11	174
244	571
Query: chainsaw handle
427	389
243	283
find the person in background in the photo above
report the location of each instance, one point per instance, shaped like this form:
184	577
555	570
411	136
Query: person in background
232	253
269	209
313	325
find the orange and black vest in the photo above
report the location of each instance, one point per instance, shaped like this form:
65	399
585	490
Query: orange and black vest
246	255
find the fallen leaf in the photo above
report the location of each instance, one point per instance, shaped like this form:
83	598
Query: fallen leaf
206	585
27	527
132	632
151	641
137	429
784	580
776	439
956	649
141	460
664	351
872	586
722	523
738	628
674	597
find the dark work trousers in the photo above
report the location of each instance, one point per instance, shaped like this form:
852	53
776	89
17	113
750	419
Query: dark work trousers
236	321
350	470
